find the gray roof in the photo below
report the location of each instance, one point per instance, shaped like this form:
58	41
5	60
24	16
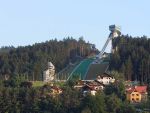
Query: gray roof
96	69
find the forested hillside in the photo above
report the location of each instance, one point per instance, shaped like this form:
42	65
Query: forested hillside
32	60
132	57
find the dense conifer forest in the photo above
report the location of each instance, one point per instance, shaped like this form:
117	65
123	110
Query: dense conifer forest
31	61
132	57
18	96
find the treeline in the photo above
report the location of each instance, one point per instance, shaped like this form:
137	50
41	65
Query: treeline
30	61
132	57
19	98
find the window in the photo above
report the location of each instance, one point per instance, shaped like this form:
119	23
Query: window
96	88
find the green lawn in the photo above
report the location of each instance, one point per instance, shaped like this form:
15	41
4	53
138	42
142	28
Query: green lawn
41	83
38	83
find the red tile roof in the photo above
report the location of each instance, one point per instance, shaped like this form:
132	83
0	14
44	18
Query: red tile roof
140	89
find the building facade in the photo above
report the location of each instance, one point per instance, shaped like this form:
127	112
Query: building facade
136	94
105	79
49	74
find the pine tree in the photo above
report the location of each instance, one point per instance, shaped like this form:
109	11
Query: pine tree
128	69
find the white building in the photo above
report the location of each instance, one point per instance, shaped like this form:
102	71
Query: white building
106	79
49	74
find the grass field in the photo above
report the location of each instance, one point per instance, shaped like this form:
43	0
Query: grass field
38	83
41	83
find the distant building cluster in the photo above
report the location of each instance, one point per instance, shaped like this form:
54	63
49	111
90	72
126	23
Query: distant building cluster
93	86
135	93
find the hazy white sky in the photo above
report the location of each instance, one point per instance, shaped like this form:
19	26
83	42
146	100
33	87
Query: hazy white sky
24	22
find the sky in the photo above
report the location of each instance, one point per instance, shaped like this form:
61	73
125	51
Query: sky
25	22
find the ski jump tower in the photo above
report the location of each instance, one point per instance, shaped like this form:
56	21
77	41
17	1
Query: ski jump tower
115	31
98	67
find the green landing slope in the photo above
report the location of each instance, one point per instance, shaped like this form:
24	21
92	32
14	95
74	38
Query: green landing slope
82	68
65	73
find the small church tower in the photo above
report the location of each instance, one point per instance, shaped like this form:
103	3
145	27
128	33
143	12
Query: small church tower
49	74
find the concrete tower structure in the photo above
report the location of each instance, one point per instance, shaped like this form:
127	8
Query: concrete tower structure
115	32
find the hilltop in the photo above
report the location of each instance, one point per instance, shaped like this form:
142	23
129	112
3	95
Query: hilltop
130	56
31	60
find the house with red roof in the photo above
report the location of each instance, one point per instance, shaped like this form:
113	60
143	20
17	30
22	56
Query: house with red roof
106	79
92	87
136	94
